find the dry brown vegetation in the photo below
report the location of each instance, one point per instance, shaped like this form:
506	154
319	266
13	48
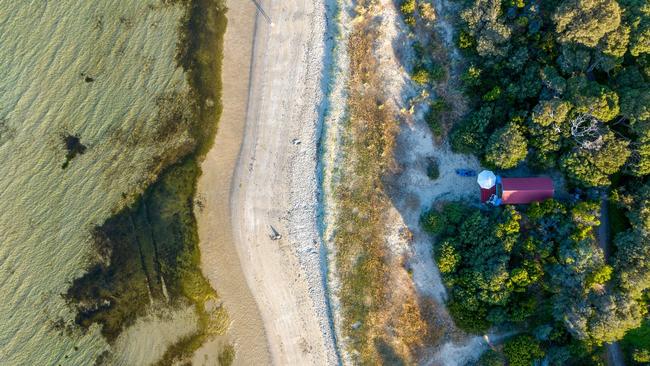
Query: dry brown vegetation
382	317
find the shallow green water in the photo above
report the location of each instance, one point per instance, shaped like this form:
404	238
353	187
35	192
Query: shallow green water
104	71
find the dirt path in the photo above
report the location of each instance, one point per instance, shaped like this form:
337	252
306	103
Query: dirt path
613	350
276	183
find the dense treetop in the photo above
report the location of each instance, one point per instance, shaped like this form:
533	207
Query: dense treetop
558	84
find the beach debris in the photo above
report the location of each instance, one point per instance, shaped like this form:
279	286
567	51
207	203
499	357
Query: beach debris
296	141
275	235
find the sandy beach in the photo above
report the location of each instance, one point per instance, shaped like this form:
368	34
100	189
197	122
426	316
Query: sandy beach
219	255
275	184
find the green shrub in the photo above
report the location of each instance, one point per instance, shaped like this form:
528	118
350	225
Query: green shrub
433	171
641	355
522	351
447	258
447	219
468	319
492	95
491	358
433	117
507	147
465	40
436	72
421	76
472	77
434	222
433	121
410	21
408	7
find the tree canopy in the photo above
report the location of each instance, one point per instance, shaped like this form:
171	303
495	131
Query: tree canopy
586	21
537	69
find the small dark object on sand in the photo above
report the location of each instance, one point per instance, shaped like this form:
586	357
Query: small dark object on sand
274	234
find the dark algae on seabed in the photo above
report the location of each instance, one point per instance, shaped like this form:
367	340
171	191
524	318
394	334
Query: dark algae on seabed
147	254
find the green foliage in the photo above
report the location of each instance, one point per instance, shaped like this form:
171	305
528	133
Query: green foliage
548	112
433	171
637	17
613	317
492	95
487	28
491	358
589	97
586	21
637	342
408	7
465	40
548	64
434	114
410	21
421	76
440	222
634	95
522	351
510	266
553	80
468	316
632	267
447	258
468	136
615	43
428	75
600	277
641	355
533	70
473	258
507	147
592	168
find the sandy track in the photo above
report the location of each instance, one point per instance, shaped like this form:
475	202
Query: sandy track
276	183
219	255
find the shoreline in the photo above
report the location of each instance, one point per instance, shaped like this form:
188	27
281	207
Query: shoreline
219	255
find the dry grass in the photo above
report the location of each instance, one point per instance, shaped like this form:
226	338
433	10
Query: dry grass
382	319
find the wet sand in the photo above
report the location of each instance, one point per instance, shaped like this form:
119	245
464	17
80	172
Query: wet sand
219	256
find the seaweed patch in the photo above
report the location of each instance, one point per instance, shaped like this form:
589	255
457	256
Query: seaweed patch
73	147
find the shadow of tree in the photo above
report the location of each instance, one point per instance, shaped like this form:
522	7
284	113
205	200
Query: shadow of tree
388	354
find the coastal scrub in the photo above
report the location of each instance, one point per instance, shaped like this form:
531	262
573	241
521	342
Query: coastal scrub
382	319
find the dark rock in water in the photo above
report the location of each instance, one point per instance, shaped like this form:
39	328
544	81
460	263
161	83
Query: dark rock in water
86	77
73	146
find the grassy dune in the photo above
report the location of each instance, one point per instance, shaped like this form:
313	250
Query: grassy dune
382	320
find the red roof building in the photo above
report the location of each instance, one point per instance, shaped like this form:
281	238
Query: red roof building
526	190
